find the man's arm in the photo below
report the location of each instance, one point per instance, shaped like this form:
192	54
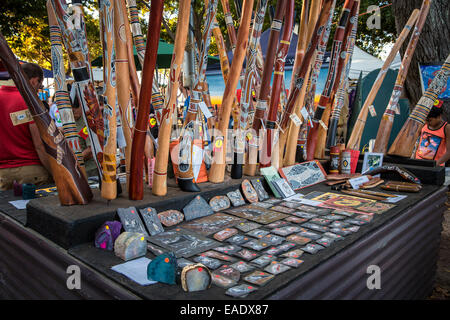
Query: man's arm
446	156
39	146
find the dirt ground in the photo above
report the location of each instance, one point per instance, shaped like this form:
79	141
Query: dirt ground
441	289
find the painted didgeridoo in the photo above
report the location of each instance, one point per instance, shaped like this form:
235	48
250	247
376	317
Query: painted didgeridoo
343	82
358	129
333	77
121	36
136	188
268	157
109	187
262	100
188	133
71	183
217	170
159	186
403	145
318	34
72	28
62	97
387	120
250	76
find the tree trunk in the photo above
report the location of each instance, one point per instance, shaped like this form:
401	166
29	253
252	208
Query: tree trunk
433	45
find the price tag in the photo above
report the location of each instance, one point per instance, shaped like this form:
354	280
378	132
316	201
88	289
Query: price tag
397	109
295	119
305	114
324	126
356	182
372	111
205	110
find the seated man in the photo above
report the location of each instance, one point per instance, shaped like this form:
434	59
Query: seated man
22	154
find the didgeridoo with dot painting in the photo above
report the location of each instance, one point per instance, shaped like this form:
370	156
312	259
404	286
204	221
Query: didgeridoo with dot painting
338	102
404	144
387	120
72	28
71	183
318	34
217	170
355	137
109	187
159	186
332	82
189	133
268	157
62	97
261	102
136	187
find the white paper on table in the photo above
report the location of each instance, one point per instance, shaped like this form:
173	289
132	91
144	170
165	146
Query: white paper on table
197	158
19	204
135	270
396	199
310	202
295	197
356	182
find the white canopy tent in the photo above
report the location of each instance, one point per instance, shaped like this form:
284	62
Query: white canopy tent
365	62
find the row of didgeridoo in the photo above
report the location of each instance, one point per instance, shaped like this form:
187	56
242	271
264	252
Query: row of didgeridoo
268	122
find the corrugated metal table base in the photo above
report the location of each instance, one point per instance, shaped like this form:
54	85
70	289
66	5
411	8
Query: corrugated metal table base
405	249
31	267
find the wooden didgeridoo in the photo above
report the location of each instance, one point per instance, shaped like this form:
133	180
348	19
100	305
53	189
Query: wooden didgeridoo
136	188
261	103
339	99
71	183
403	145
318	35
387	120
217	170
109	187
189	133
159	186
333	77
81	74
62	97
121	36
268	157
358	129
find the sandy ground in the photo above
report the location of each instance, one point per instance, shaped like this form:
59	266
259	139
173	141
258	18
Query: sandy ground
442	284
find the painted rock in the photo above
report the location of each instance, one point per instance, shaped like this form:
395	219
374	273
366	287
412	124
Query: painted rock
195	277
225	234
236	198
240	291
259	278
197	208
130	245
131	221
275	268
249	192
163	268
262	193
218	203
107	234
151	220
228	272
170	217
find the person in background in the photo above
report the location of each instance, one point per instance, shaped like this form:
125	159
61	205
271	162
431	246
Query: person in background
434	143
22	153
54	113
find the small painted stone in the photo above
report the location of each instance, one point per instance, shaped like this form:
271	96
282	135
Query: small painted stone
222	281
236	198
163	268
276	268
296	219
151	220
131	221
249	192
259	278
297	253
262	193
225	234
197	208
130	245
196	278
228	249
218	203
107	234
247	226
240	291
298	239
292	262
242	266
170	217
263	260
218	255
211	263
228	272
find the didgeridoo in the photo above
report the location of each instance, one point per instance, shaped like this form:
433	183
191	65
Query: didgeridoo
358	129
71	183
136	188
387	121
217	170
159	186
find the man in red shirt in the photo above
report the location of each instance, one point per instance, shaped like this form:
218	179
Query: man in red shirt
22	154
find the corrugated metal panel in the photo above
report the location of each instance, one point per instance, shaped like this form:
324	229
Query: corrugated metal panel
405	248
33	268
